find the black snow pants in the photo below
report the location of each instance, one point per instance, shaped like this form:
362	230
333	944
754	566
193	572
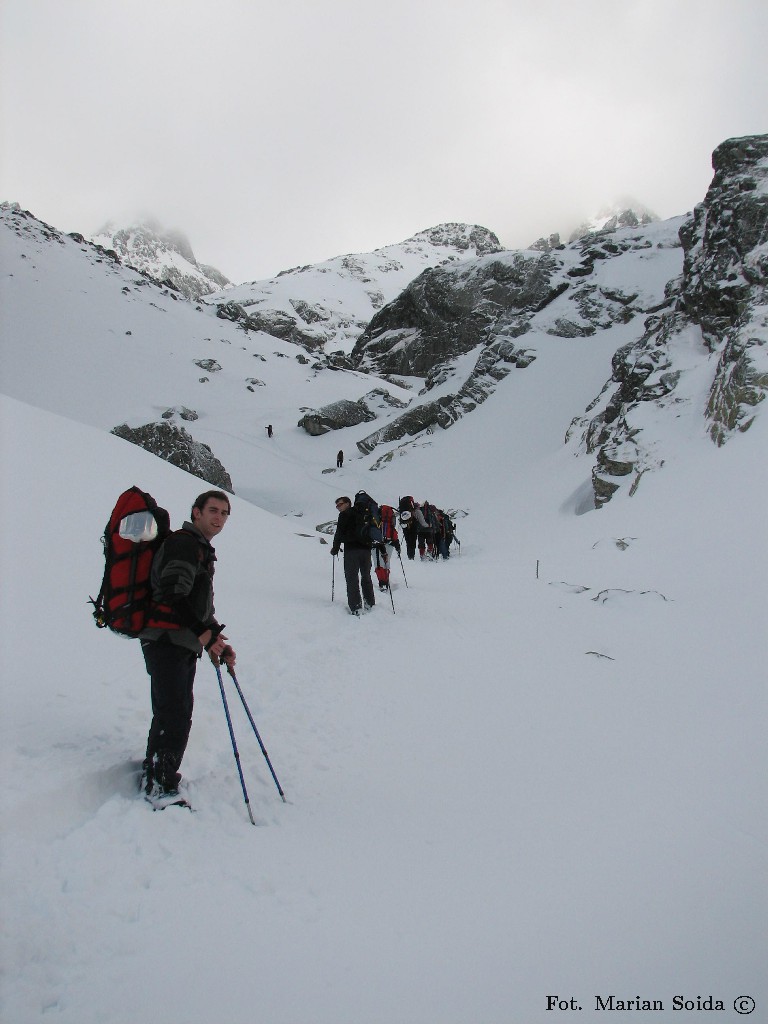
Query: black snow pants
172	673
357	573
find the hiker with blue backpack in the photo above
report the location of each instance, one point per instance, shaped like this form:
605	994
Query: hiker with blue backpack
354	531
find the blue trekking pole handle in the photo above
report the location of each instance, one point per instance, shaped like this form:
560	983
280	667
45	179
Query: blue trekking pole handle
234	744
256	731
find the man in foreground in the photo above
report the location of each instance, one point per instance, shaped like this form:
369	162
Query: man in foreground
180	627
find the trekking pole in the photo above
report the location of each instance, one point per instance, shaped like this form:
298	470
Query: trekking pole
234	745
389	588
333	577
403	568
256	731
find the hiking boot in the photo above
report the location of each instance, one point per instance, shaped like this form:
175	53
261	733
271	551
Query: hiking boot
167	778
147	778
356	611
367	606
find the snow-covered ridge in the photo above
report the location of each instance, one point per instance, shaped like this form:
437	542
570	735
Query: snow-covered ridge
326	306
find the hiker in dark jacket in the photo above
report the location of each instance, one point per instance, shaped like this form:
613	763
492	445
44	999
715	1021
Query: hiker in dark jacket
181	625
340	459
357	559
425	528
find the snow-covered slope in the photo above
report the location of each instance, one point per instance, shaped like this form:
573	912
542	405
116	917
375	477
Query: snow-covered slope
542	775
326	306
92	340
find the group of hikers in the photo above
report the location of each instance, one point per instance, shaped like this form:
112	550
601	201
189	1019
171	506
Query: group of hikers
367	530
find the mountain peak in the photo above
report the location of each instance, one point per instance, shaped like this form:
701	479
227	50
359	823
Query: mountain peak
623	212
165	254
455	235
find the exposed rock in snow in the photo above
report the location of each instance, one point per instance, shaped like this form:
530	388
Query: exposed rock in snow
624	213
345	413
719	305
179	448
450	310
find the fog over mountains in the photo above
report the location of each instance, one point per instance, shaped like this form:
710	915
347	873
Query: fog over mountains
434	324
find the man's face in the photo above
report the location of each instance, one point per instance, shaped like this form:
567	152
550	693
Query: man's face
212	519
341	505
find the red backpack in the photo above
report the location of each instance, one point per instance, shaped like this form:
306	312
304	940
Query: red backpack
135	531
388	521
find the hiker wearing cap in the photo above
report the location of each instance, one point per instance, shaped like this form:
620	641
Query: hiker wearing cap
357	559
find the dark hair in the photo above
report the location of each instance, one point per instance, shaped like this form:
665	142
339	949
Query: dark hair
344	498
202	500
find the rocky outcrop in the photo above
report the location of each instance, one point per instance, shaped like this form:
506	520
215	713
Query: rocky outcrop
626	214
493	364
189	415
719	304
346	413
176	446
448	311
465	238
335	416
726	281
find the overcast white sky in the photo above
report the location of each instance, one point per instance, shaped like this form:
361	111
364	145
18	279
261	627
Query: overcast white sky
286	132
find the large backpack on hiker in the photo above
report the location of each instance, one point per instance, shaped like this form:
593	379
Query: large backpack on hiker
135	531
389	524
405	509
367	520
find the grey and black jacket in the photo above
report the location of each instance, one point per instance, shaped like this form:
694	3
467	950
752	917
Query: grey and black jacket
182	590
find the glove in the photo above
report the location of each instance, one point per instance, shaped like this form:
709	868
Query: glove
215	630
396	546
334	551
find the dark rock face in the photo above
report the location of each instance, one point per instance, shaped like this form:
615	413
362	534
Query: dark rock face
179	448
494	362
726	281
448	311
721	299
335	416
346	413
277	323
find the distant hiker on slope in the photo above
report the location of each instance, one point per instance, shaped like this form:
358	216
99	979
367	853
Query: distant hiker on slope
181	625
340	460
357	558
269	430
